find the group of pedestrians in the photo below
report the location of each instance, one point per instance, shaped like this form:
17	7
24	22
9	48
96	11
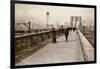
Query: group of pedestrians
61	32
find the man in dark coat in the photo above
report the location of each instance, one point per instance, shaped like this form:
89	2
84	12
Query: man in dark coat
53	35
62	30
66	33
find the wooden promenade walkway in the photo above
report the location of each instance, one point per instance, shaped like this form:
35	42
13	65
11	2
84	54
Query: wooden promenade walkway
59	52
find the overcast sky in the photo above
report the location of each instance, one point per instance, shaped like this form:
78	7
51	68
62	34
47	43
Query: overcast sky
58	14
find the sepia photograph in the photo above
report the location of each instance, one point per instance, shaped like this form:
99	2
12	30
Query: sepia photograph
53	33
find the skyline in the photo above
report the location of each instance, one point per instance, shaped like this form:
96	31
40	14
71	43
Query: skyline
61	15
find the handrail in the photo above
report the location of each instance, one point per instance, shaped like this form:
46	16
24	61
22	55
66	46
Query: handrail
31	34
29	40
87	48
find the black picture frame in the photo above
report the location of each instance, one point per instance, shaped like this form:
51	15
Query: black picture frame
50	4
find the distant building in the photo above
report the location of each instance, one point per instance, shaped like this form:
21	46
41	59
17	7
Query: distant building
87	28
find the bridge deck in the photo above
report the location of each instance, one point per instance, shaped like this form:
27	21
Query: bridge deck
59	52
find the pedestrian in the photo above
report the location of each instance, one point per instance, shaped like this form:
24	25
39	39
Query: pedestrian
53	35
59	31
74	29
66	33
62	30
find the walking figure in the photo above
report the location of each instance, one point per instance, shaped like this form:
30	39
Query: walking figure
66	33
62	30
53	35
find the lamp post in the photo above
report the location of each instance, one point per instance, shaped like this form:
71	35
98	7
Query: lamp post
47	18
